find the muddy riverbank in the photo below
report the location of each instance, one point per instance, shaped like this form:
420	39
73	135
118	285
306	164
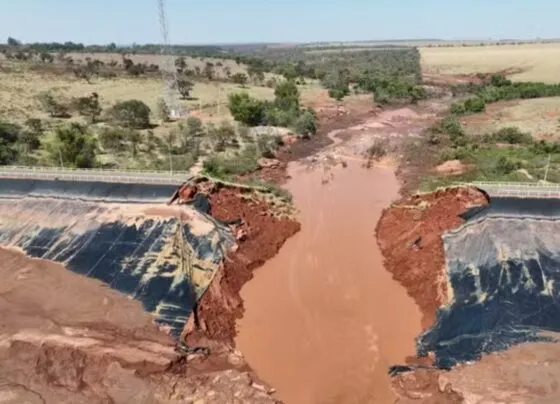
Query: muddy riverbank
324	320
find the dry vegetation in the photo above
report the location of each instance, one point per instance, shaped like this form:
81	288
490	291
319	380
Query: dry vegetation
540	117
19	87
538	62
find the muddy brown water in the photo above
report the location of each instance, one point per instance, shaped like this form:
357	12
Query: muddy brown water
323	319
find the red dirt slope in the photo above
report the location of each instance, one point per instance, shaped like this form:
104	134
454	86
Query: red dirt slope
409	236
221	305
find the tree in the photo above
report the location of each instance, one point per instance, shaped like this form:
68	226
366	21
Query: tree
287	96
162	111
82	72
88	106
111	138
46	57
222	136
13	42
185	87
306	123
130	114
209	70
245	109
180	64
74	146
194	126
9	134
54	108
256	73
338	93
239	78
35	125
135	139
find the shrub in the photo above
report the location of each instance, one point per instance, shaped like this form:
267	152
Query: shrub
506	165
246	109
306	124
474	105
53	107
224	166
74	146
130	114
511	135
162	111
184	87
286	96
88	106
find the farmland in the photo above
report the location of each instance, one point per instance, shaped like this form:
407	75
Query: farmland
531	62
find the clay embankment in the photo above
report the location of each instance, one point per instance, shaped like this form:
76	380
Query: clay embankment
222	305
409	236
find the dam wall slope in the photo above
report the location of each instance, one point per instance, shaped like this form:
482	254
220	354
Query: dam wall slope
503	267
121	234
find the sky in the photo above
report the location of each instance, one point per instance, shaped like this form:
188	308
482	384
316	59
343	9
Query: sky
247	21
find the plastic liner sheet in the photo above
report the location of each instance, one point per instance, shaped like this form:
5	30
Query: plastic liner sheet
504	276
90	191
164	261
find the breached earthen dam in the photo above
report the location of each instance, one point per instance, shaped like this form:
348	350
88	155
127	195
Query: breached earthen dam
121	234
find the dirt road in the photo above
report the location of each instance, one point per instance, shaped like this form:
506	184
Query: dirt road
323	319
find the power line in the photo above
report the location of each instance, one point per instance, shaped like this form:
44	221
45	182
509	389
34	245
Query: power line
168	72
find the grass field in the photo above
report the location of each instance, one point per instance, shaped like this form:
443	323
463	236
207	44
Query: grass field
540	117
20	86
538	62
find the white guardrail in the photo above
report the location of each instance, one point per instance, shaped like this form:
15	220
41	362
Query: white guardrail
96	174
519	189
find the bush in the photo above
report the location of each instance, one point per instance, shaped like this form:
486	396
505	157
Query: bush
457	108
130	114
9	134
220	166
511	135
74	146
506	165
162	111
246	109
88	106
286	96
53	107
339	93
474	105
111	139
306	124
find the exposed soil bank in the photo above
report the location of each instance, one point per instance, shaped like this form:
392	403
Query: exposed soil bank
67	339
221	305
323	319
409	236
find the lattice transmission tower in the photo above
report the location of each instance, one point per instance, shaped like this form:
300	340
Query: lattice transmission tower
168	72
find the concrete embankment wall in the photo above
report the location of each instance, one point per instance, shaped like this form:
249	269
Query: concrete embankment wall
503	267
121	234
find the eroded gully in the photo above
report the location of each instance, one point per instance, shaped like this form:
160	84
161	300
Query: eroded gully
324	320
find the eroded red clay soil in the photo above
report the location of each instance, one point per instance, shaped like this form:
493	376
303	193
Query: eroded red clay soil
409	235
221	305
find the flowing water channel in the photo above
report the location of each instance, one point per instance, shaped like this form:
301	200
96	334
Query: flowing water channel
324	320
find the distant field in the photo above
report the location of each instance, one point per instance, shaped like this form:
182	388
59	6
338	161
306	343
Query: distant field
539	62
540	117
19	88
160	59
